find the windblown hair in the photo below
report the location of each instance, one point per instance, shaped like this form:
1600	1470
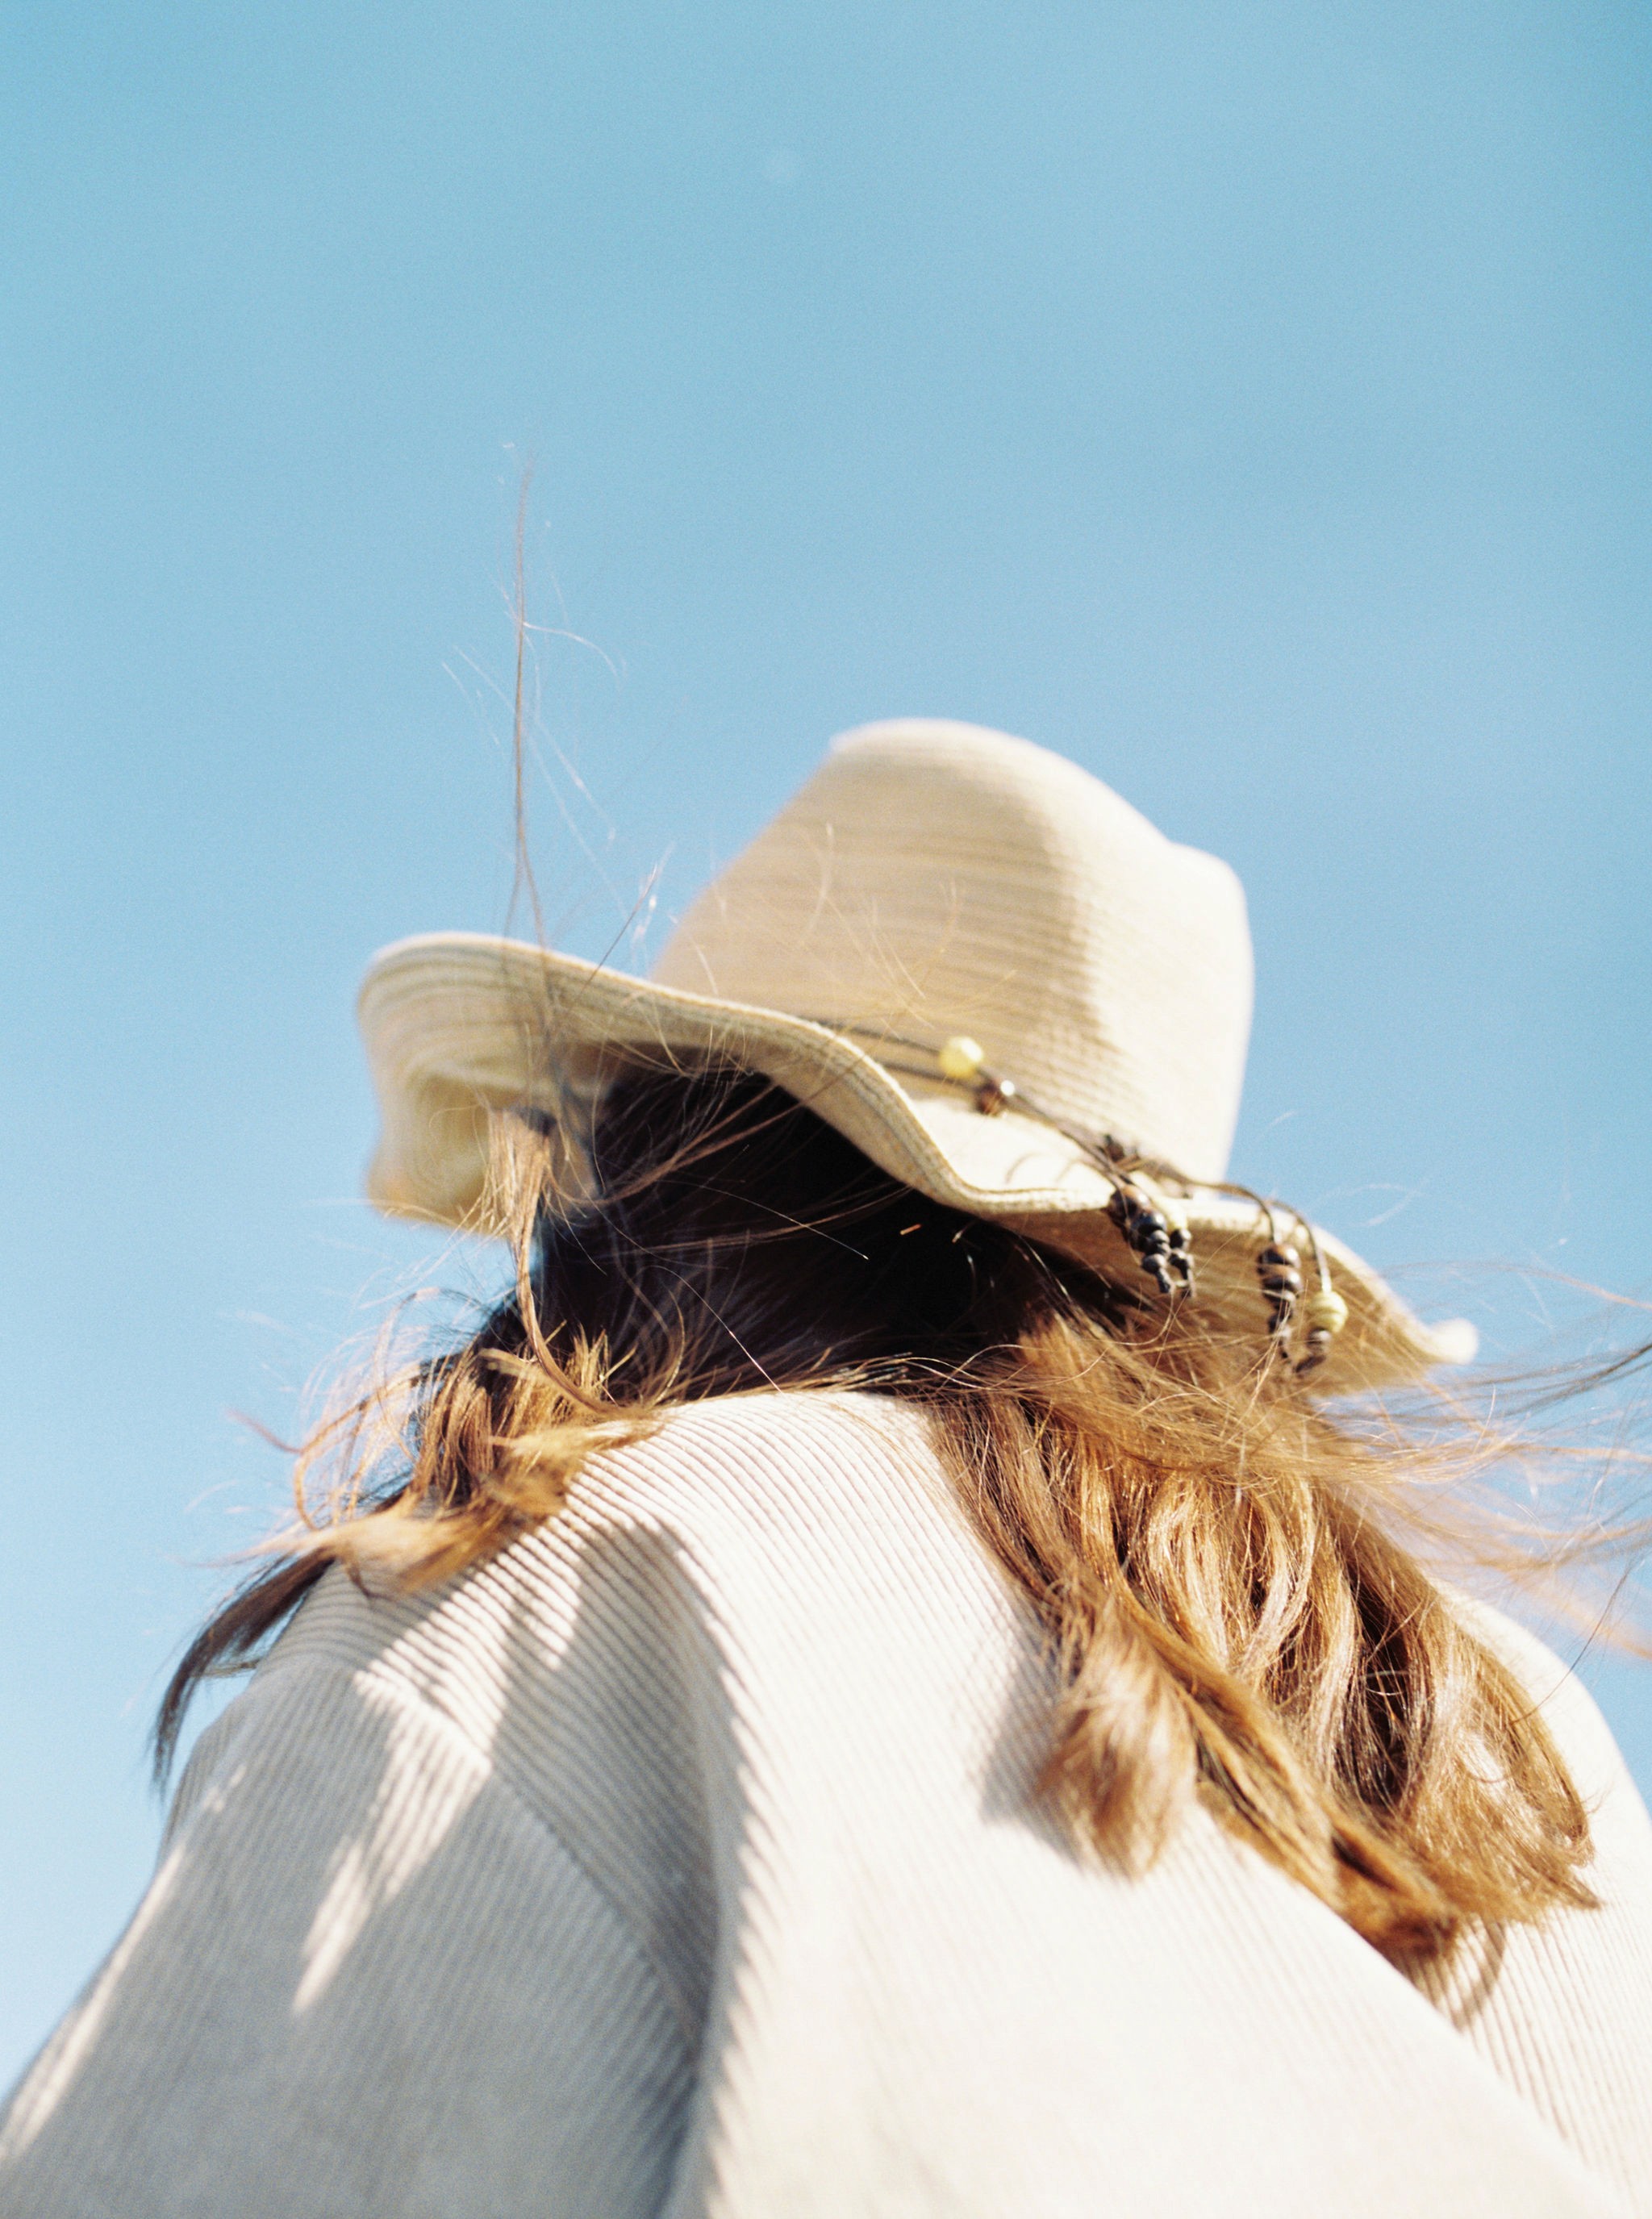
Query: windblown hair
1232	1580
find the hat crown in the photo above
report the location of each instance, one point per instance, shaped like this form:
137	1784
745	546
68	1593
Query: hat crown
935	878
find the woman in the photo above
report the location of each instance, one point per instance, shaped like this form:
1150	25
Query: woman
872	1683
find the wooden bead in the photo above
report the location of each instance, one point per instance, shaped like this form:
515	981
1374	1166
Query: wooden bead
1318	1347
960	1057
1325	1312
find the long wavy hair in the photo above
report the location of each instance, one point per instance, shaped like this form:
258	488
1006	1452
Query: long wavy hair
1235	1584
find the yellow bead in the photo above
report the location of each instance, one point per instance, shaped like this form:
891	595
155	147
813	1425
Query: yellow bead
1325	1312
960	1057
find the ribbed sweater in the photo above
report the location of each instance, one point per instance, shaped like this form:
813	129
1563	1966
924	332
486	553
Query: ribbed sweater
684	1859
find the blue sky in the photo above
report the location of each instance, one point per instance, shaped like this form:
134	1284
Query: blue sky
1251	402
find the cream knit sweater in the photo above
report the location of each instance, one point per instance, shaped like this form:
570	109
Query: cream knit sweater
682	1862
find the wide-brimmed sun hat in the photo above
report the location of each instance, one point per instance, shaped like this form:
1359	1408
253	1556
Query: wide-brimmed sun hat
982	966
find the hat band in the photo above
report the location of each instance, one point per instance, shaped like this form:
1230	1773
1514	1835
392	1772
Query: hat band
1155	1233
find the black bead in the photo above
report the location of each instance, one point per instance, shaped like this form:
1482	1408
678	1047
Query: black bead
1149	1223
1283	1255
1283	1282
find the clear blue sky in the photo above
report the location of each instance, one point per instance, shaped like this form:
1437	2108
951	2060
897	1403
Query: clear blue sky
1249	400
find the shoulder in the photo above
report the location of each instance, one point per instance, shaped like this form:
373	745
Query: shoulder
677	1537
759	1464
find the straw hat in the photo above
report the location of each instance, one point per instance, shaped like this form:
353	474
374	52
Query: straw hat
976	962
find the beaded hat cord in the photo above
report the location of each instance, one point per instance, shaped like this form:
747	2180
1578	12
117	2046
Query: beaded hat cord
1153	1228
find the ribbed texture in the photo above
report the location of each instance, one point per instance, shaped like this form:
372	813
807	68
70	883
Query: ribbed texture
683	1862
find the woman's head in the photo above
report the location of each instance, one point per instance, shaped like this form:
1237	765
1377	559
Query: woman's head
982	967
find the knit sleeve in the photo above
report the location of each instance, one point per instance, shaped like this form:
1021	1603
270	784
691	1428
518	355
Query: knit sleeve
364	1980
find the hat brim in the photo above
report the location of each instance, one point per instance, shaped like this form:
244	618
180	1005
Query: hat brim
461	1027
